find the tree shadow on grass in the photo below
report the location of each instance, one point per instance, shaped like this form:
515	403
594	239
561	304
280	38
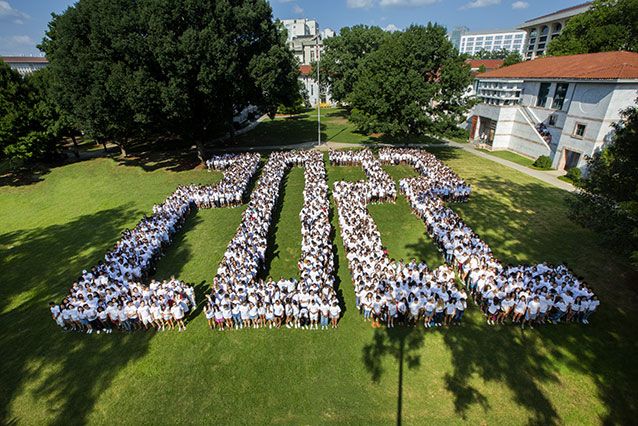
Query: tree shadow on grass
64	374
527	223
401	344
506	355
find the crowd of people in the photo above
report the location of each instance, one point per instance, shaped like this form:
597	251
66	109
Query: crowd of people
239	298
389	291
526	294
113	294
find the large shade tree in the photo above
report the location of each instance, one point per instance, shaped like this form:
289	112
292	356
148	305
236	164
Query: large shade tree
413	84
609	25
343	54
130	70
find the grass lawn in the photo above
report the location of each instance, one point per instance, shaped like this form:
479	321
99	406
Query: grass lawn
335	127
52	229
511	156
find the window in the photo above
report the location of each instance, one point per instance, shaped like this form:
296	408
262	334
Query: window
559	95
552	120
579	131
542	95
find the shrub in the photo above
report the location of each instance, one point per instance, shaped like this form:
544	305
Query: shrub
543	162
573	174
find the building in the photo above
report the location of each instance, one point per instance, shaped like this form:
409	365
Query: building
308	79
562	107
455	36
540	31
300	28
306	42
481	65
512	40
25	64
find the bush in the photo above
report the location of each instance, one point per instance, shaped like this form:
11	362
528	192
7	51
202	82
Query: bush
574	174
543	162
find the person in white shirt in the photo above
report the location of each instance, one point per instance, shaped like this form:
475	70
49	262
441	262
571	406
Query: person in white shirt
178	316
335	311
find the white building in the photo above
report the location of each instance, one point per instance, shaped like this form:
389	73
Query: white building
306	42
25	64
300	28
540	31
512	40
562	107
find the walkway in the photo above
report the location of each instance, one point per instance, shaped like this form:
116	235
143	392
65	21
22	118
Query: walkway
549	176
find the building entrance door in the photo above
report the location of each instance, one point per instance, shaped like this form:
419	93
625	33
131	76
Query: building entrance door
571	159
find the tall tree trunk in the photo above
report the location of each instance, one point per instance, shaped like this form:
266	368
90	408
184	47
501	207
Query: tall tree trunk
122	147
76	147
103	142
201	154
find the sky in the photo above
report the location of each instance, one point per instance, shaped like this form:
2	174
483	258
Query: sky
24	22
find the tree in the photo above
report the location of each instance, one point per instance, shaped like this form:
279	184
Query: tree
492	54
28	125
608	196
609	25
413	84
343	54
512	58
131	70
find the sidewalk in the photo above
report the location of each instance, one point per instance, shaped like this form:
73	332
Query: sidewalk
549	176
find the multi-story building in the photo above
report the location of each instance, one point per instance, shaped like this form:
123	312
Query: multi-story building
306	42
512	40
25	64
455	36
540	31
562	107
300	28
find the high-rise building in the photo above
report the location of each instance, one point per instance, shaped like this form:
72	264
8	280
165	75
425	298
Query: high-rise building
512	40
455	36
543	29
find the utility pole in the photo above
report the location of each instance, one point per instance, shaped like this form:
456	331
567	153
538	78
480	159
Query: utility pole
318	93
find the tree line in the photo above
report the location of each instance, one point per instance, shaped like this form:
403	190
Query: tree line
123	71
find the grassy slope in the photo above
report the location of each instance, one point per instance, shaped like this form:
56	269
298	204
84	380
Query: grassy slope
51	230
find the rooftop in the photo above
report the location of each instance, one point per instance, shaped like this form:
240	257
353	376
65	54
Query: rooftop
567	9
489	64
591	66
24	59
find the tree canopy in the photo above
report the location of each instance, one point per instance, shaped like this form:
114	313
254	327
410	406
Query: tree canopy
343	54
609	25
31	125
492	54
414	83
129	70
608	200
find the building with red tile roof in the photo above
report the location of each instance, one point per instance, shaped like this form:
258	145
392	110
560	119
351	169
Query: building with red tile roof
562	107
25	64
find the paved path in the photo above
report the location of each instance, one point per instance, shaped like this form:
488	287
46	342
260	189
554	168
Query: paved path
549	176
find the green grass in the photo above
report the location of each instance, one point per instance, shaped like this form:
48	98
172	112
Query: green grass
510	156
302	128
51	230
